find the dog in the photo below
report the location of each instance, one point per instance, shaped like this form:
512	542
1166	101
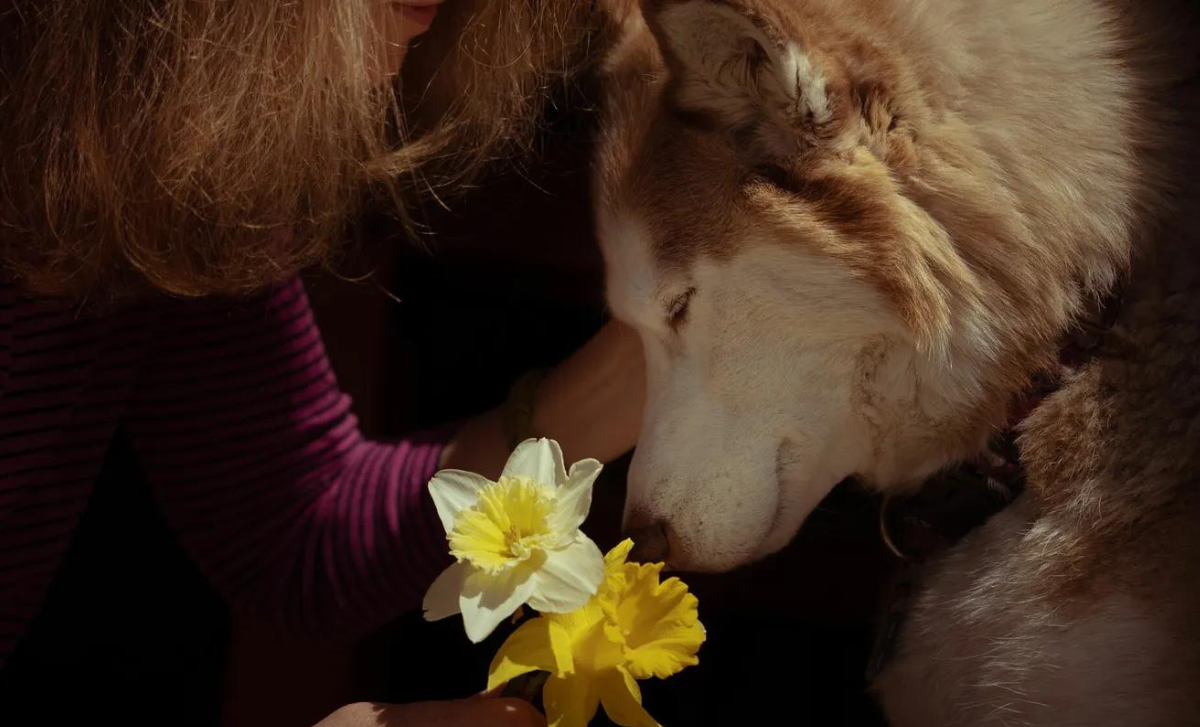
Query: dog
849	234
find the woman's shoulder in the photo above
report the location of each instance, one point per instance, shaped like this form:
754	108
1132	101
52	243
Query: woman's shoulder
48	340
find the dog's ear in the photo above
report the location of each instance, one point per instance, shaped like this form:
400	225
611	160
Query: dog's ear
734	68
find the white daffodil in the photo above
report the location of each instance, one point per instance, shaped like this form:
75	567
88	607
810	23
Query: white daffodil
517	540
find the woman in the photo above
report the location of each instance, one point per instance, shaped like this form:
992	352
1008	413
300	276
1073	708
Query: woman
166	168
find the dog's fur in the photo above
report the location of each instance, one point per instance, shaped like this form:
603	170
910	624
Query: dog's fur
849	231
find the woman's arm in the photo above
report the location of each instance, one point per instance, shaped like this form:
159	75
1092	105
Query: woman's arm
264	475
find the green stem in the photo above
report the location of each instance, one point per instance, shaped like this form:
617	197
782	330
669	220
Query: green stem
527	687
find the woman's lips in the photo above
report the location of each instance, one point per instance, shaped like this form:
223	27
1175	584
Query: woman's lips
420	15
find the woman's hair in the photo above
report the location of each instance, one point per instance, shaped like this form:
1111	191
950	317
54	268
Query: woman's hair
217	146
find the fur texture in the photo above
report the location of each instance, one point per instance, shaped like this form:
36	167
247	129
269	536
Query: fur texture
849	231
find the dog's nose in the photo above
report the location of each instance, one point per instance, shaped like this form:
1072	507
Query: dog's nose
650	543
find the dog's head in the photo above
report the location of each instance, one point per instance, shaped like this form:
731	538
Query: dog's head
820	261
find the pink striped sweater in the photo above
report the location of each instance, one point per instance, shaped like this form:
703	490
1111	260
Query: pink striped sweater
241	430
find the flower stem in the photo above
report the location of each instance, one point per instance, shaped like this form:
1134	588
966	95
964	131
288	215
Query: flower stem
527	687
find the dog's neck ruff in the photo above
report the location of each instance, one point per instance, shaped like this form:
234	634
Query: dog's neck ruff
957	500
961	498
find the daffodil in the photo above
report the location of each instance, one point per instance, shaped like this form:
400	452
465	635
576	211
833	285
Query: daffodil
635	628
516	540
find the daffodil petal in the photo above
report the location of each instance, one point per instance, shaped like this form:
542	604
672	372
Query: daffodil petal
616	557
441	600
563	646
576	624
570	701
569	577
538	459
454	491
527	649
488	599
622	700
575	497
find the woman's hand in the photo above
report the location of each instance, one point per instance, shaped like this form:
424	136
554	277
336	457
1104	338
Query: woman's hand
591	404
462	713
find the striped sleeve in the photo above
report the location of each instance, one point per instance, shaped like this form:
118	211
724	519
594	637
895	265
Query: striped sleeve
265	478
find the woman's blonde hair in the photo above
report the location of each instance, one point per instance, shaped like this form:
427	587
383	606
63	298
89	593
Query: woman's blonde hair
214	147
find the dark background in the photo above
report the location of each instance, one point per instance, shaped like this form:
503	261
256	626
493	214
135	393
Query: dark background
513	280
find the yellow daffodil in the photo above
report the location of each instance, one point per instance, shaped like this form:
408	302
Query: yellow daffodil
634	628
516	540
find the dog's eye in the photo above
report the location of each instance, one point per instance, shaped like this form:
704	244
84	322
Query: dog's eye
678	309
